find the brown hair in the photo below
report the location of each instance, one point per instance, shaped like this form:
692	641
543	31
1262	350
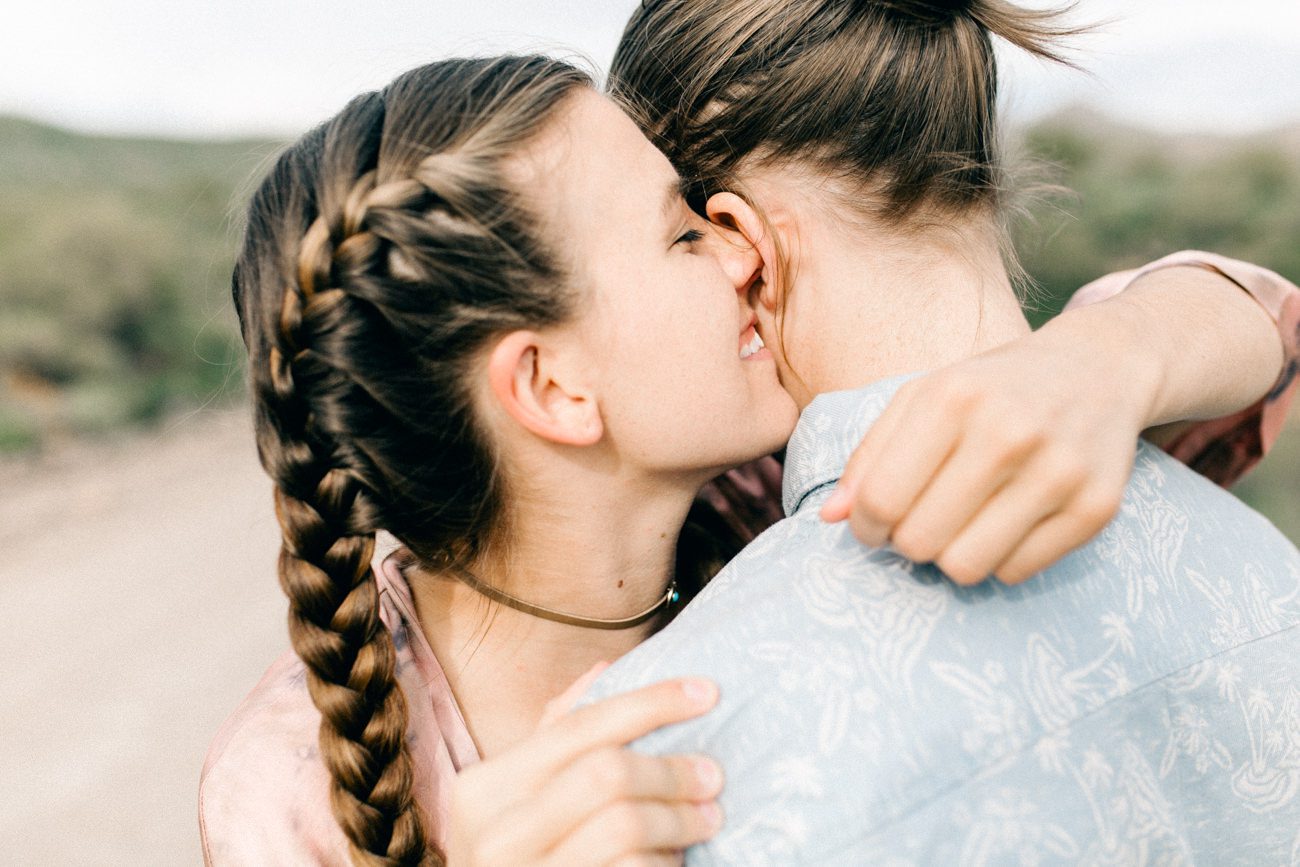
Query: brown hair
896	97
381	254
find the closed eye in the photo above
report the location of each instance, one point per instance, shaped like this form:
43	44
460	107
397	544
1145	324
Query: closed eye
690	237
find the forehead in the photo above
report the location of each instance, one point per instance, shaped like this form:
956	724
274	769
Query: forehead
595	179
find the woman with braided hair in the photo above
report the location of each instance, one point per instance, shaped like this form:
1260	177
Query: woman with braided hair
467	301
481	317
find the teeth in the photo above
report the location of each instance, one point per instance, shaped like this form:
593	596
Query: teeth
752	346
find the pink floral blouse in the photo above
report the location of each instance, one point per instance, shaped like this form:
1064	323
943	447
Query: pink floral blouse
264	792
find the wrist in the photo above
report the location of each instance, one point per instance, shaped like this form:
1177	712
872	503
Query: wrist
1121	355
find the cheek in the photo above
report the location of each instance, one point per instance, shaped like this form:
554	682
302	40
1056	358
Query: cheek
673	369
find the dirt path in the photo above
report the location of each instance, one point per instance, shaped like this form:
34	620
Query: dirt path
139	603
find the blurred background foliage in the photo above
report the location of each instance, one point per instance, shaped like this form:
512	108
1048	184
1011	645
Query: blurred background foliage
114	268
115	257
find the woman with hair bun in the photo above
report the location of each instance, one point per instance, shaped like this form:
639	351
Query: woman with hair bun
874	707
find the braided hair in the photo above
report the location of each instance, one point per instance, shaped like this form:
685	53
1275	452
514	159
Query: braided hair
382	252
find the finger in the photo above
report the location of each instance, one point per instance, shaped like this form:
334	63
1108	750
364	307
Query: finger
631	828
1008	517
903	470
1052	539
864	457
961	487
484	792
606	777
564	702
610	722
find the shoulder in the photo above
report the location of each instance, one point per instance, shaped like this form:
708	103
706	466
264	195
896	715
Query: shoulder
790	585
264	791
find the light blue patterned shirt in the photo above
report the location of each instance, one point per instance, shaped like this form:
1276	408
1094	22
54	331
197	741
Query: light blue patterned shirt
1138	703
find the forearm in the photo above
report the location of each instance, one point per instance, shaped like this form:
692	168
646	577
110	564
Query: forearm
1198	345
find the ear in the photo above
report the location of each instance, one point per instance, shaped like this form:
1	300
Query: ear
538	394
733	212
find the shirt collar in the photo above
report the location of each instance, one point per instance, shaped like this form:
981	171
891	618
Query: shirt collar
829	429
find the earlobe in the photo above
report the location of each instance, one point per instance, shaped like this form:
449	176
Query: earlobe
539	395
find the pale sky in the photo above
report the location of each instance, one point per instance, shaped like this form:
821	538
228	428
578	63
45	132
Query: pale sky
183	68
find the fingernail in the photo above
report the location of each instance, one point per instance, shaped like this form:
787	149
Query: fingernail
712	814
702	693
709	774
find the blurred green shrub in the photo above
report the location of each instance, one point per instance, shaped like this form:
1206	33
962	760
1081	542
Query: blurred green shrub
114	266
1135	196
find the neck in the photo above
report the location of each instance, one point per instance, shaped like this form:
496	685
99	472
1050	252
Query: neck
579	549
867	302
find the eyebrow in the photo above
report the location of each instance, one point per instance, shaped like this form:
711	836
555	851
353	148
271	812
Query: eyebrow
676	192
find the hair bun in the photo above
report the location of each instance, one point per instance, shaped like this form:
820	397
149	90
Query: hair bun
928	11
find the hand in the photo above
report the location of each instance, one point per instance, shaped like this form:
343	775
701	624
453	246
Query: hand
573	794
1004	462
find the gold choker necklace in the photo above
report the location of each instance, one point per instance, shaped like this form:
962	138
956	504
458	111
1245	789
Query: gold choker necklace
670	596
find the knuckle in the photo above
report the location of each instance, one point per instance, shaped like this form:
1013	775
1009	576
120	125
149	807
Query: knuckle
1013	437
867	532
962	571
626	823
1096	509
1012	576
609	772
1068	471
914	542
876	505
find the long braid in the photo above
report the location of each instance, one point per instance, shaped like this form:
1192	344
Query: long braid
328	525
381	255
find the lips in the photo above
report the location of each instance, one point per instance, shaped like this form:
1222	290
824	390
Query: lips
750	342
752	346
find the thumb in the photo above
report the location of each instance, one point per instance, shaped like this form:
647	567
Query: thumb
564	702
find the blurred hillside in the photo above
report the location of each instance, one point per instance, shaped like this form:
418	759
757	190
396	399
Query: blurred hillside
114	267
1133	196
115	257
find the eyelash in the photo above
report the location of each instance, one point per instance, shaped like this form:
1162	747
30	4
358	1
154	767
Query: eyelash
690	237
